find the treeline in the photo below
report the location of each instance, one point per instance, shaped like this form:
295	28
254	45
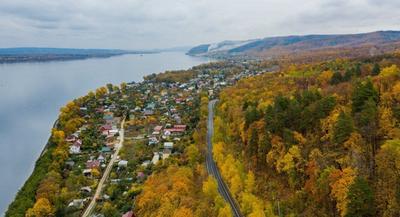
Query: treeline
314	139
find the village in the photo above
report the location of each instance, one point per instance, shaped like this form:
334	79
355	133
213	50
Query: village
157	117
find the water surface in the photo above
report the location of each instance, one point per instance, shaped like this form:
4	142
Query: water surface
32	93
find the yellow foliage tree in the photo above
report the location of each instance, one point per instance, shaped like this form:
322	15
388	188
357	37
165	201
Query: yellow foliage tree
250	182
42	208
225	211
218	152
210	188
387	124
390	71
325	77
340	183
388	177
57	136
183	212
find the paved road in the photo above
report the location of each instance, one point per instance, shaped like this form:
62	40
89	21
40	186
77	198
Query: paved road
212	167
106	173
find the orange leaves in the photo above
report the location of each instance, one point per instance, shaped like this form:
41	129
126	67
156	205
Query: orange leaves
277	151
42	208
311	183
177	188
340	182
325	77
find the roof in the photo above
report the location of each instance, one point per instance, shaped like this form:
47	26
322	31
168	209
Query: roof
92	164
176	130
168	144
129	214
180	126
123	163
157	128
78	143
106	127
105	149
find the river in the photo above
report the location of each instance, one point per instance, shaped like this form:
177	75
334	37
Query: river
31	95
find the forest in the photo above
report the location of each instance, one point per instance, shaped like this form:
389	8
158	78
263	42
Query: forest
299	139
316	139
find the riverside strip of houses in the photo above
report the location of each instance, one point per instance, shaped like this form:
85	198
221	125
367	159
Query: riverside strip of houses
158	127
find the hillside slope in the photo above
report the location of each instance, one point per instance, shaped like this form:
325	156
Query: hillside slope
320	139
376	42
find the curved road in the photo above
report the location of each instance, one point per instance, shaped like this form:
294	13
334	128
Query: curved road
106	173
212	167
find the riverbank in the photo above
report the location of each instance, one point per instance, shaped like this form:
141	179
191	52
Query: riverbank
31	110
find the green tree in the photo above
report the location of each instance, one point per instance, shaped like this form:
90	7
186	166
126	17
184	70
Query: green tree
348	74
336	78
251	115
193	154
357	69
376	69
362	92
360	198
109	210
343	128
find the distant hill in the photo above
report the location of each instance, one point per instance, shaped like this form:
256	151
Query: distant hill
375	42
38	54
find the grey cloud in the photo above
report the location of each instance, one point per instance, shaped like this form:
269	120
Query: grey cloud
165	23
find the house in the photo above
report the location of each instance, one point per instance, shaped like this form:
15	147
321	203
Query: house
101	158
104	129
108	116
153	141
156	157
180	126
146	163
78	203
129	214
177	118
105	149
167	132
166	153
175	131
179	100
158	128
71	138
92	164
122	163
76	147
113	131
168	145
87	172
86	189
70	163
148	112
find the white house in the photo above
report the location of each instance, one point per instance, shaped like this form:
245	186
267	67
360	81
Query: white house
168	145
122	163
156	157
76	147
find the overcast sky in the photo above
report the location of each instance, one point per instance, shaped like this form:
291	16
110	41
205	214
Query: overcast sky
145	24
